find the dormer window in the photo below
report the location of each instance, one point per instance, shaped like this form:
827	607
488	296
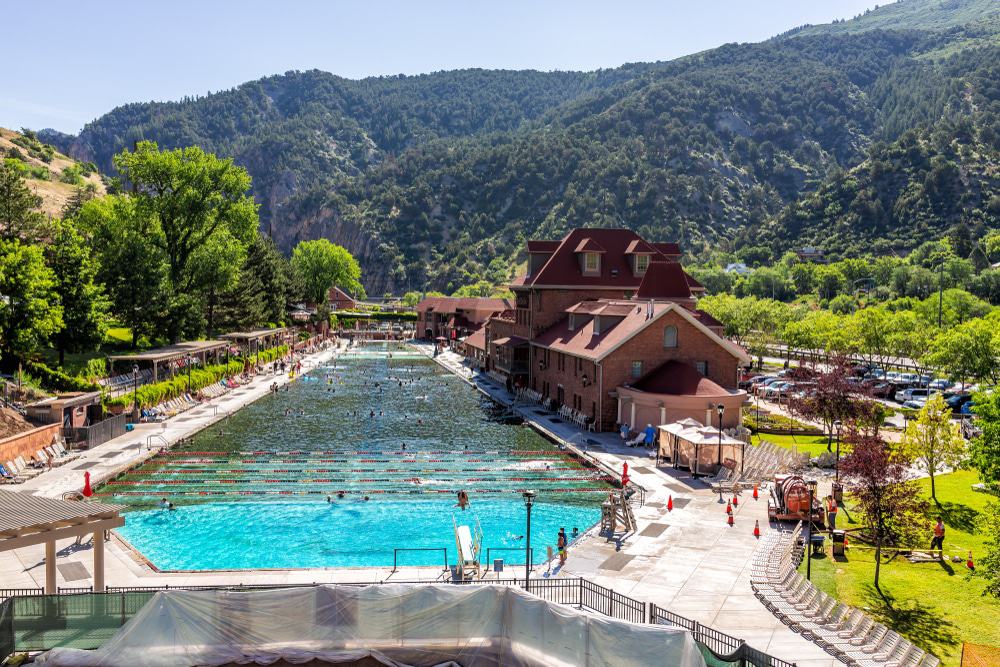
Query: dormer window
597	325
572	321
641	264
591	262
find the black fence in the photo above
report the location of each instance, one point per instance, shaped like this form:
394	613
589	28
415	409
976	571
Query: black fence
722	646
99	433
78	618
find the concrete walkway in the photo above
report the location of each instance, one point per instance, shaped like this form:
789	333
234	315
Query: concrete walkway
689	560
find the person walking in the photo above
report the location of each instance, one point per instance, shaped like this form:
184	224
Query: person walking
831	513
561	543
938	540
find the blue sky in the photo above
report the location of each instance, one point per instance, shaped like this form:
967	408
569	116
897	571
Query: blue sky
67	63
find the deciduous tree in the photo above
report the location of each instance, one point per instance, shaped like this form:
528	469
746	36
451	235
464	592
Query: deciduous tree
932	440
30	313
323	265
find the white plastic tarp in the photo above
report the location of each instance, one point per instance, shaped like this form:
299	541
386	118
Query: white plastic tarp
397	625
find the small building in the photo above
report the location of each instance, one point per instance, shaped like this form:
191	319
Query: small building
739	268
811	254
71	409
341	300
452	318
473	347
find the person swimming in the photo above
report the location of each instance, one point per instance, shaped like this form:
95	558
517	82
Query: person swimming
166	504
329	499
340	495
366	499
463	500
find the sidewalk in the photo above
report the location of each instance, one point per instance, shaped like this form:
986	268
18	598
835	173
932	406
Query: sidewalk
688	560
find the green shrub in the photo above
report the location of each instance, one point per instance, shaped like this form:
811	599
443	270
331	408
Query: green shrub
56	380
72	175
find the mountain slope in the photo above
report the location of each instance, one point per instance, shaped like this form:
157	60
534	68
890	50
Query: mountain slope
51	175
429	179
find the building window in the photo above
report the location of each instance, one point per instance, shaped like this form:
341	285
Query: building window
636	369
701	367
591	262
641	263
670	336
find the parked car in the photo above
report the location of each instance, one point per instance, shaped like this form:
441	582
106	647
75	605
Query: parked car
882	389
759	389
777	389
939	384
913	393
958	402
915	403
750	381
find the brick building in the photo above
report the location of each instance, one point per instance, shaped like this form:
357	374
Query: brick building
341	300
455	317
600	309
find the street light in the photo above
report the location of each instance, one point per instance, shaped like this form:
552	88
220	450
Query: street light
836	475
812	484
529	500
135	392
190	360
721	409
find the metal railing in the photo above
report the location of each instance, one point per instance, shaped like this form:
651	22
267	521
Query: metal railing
32	621
723	646
395	555
490	550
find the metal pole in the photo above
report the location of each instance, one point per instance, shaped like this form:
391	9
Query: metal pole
940	290
836	468
527	551
809	539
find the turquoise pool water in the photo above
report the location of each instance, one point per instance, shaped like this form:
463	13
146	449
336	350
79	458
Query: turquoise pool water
251	491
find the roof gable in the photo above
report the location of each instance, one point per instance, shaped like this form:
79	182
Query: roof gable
664	280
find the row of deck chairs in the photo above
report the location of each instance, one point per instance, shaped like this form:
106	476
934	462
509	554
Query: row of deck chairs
529	395
218	389
761	464
577	417
117	384
170	408
841	630
18	470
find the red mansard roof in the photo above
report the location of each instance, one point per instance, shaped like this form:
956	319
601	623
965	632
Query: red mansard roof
639	247
563	267
664	280
677	378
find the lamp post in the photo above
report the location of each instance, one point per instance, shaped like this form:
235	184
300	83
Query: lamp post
836	467
135	391
721	409
812	484
190	360
529	500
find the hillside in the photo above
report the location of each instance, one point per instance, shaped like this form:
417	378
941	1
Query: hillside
51	175
909	15
429	179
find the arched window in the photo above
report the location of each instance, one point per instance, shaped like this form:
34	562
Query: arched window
670	337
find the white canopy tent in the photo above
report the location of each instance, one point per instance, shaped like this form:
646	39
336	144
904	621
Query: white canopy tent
397	625
699	448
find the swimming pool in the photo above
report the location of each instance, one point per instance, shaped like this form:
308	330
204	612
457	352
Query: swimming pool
382	423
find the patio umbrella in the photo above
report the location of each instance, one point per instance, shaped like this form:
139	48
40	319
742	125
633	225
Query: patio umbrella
87	491
625	474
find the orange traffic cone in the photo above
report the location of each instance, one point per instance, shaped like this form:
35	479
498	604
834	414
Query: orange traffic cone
670	504
730	520
969	563
729	508
736	501
755	492
756	529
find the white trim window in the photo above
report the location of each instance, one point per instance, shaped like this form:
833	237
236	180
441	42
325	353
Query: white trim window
636	370
670	336
641	264
591	262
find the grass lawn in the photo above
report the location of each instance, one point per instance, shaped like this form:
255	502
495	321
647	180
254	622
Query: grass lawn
118	339
814	445
933	604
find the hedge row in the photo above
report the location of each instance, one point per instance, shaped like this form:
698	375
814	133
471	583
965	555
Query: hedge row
149	395
57	380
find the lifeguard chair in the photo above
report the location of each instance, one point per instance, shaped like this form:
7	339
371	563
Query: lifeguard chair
468	544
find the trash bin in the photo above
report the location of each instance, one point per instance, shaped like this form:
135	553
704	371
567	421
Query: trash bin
816	541
838	542
129	428
838	492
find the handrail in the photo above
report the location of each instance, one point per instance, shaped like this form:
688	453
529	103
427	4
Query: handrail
395	553
149	441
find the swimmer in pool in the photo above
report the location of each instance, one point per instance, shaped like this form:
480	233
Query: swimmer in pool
366	499
329	499
340	495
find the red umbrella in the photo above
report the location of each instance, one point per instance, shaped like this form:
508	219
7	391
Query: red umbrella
625	474
87	491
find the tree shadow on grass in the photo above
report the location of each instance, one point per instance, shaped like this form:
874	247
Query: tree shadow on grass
958	516
923	625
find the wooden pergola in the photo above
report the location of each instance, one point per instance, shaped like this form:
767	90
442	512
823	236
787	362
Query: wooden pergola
252	342
199	349
26	520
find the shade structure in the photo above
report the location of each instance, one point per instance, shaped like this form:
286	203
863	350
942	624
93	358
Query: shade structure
681	443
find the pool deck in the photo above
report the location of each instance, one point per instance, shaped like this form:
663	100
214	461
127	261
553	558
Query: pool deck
688	561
